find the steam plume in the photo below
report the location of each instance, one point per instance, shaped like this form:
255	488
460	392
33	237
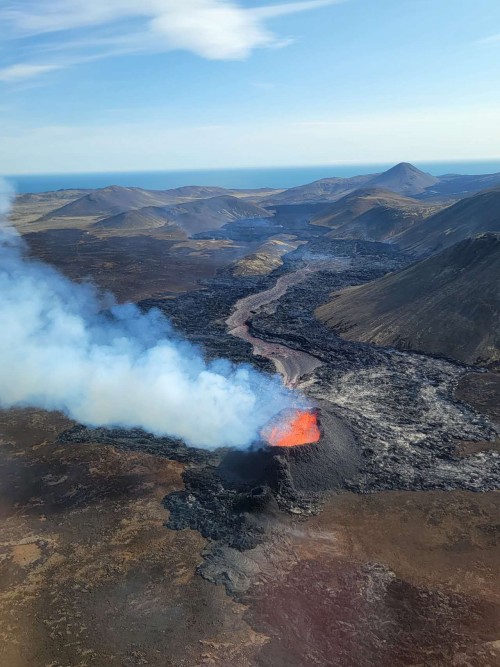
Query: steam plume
65	346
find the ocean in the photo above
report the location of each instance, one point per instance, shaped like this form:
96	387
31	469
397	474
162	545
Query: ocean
277	177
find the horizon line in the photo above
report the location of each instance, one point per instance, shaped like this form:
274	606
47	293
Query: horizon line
343	163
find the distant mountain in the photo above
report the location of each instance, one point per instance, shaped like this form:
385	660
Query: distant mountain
191	192
468	217
187	192
404	179
448	304
115	199
199	215
110	201
324	190
32	207
371	215
458	185
52	196
207	214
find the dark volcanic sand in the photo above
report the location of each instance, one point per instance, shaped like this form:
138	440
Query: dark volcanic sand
133	267
482	390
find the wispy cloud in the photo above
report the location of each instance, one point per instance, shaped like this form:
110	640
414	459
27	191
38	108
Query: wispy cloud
20	72
424	134
212	29
272	11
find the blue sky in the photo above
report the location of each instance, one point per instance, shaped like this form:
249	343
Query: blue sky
87	85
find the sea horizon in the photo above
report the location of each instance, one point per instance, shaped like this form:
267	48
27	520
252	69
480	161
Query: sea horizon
236	178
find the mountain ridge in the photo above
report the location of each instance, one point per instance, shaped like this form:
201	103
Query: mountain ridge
447	304
199	215
468	217
371	214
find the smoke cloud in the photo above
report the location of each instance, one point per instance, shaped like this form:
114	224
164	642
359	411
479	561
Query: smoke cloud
65	346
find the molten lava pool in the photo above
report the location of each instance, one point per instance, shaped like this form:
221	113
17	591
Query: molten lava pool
293	429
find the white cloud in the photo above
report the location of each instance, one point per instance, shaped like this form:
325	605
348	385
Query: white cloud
20	72
213	29
273	11
424	135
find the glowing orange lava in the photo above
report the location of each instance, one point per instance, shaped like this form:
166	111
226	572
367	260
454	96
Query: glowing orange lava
292	430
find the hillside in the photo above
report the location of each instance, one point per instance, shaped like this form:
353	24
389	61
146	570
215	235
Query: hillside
200	215
404	179
267	258
324	190
190	192
208	214
371	214
468	217
117	199
110	201
41	198
29	207
457	185
448	304
147	218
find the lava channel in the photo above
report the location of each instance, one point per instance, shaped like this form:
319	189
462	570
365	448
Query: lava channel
300	427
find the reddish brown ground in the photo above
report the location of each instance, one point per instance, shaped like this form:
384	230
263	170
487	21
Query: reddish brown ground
393	579
89	574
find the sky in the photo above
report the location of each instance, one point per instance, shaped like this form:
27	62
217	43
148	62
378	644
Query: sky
129	85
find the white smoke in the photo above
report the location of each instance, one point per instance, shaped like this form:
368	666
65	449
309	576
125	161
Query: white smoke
65	346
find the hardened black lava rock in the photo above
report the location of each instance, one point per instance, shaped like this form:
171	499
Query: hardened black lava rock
389	419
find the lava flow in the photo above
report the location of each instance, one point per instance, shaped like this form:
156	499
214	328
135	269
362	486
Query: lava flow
298	428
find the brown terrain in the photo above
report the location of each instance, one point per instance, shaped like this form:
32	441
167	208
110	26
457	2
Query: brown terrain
133	267
90	576
373	214
133	259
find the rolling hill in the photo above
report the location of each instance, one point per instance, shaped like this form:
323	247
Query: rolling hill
403	179
142	219
468	217
113	200
110	201
447	304
371	214
459	185
200	215
324	190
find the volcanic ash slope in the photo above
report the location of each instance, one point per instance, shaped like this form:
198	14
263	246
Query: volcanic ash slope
448	304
